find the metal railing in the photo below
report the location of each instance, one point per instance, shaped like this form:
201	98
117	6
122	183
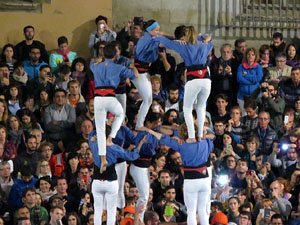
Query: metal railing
254	19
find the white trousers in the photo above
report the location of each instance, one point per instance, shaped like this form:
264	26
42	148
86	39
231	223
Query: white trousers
241	104
141	179
121	170
143	84
102	105
197	89
196	193
122	99
105	193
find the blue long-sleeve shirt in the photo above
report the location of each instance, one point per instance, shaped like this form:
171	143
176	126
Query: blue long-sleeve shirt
192	154
148	148
195	54
124	135
113	152
147	48
109	74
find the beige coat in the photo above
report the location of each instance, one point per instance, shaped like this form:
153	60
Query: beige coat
274	74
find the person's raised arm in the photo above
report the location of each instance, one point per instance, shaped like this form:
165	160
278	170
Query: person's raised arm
155	134
136	72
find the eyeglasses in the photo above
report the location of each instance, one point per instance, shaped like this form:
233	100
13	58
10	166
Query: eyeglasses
45	165
280	61
264	119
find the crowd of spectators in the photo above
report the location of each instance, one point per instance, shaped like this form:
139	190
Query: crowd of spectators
47	113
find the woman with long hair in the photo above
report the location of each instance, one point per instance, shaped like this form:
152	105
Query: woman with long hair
14	97
8	150
292	56
146	53
8	56
198	84
29	121
15	131
73	219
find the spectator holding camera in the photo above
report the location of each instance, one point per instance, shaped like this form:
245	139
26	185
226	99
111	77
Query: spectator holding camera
102	33
289	156
266	211
279	202
263	170
45	81
223	75
130	34
272	103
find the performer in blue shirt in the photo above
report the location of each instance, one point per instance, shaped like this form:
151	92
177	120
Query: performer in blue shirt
196	163
107	76
139	169
146	52
121	89
105	185
124	137
198	84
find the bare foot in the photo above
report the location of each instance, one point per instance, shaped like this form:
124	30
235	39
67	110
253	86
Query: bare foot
199	139
103	164
190	140
109	141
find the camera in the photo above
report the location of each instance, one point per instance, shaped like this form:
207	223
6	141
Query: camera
161	49
50	74
249	172
264	89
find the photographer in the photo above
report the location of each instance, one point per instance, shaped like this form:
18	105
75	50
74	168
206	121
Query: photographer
45	81
130	33
287	160
272	103
103	33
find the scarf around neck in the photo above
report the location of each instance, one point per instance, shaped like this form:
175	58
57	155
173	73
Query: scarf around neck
64	55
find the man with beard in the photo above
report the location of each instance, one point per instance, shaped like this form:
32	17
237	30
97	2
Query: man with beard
30	157
172	102
272	103
23	48
278	46
239	180
240	48
59	117
33	64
